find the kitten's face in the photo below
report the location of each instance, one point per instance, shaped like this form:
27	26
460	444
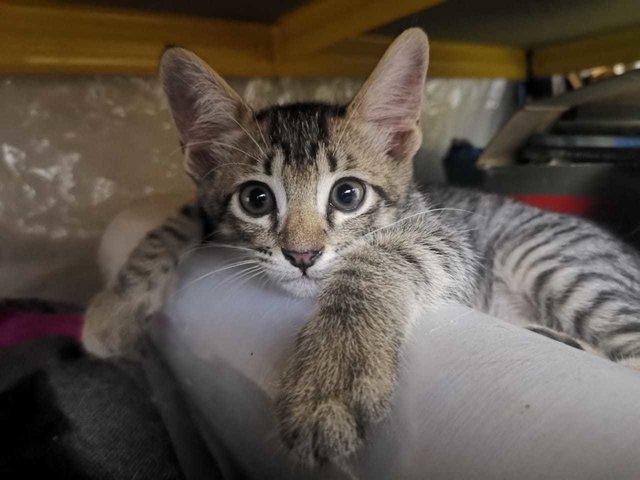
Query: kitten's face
306	185
299	184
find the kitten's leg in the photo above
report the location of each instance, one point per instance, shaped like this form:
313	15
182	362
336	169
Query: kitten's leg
563	338
116	317
343	370
631	362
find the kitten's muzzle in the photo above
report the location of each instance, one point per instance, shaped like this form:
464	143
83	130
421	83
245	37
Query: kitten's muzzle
302	260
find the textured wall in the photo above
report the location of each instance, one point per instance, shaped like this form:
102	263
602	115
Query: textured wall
76	150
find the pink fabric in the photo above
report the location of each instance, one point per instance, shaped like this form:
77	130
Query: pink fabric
20	326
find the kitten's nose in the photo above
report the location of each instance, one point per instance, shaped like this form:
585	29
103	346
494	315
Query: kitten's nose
302	260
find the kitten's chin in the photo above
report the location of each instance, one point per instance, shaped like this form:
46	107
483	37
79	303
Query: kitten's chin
302	287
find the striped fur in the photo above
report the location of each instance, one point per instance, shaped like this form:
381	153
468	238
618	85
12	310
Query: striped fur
562	272
400	253
117	317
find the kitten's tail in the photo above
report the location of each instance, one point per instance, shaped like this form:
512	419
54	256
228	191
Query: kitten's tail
117	317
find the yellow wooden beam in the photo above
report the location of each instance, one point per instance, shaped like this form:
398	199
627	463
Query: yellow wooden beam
322	23
607	49
447	59
41	38
32	55
101	23
471	60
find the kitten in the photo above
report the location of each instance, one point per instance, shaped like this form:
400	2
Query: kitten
323	195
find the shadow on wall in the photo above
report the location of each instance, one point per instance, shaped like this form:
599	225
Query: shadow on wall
74	151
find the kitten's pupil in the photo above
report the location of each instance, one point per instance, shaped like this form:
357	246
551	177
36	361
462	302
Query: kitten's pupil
347	194
256	199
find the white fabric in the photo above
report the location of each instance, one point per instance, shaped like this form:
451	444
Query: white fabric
477	398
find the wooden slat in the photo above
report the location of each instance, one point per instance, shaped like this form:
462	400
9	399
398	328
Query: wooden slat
41	38
447	59
471	60
32	55
101	23
606	49
322	23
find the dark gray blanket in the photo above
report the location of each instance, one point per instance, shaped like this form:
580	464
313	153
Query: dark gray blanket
66	415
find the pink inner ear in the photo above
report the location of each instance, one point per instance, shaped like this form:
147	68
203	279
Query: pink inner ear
392	103
394	99
404	144
391	99
199	164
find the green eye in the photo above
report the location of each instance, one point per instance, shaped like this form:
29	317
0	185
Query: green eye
257	199
347	194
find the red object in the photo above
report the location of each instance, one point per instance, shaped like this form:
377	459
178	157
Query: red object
20	326
573	204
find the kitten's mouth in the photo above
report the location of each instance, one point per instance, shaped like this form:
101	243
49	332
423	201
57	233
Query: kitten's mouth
307	275
302	278
300	286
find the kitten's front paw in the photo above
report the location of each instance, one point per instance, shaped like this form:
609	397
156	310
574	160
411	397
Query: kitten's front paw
318	432
323	419
111	326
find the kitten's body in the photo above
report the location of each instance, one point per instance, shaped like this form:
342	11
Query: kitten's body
373	267
556	270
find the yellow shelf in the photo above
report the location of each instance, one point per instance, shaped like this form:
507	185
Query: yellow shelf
599	50
321	38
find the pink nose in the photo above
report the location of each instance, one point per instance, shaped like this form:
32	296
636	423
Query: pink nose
302	260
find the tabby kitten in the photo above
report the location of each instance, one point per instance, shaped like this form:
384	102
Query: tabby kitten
323	196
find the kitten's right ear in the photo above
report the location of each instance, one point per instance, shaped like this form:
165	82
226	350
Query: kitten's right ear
207	112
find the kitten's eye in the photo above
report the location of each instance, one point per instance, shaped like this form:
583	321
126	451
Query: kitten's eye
347	194
256	199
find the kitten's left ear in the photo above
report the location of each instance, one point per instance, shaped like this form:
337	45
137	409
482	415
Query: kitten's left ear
390	102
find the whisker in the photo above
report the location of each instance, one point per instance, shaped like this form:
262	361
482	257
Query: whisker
208	142
249	278
248	134
206	175
265	280
208	245
202	245
227	245
255	119
233	147
218	270
222	144
181	148
238	275
232	280
404	219
208	236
